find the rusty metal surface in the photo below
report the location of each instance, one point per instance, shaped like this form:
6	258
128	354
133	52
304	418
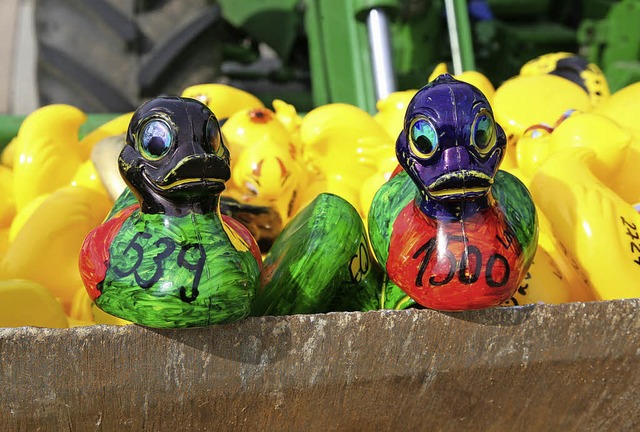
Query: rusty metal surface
565	367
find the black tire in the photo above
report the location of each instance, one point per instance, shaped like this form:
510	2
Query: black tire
110	55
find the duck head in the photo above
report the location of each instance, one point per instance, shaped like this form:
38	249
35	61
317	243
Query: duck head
174	159
450	146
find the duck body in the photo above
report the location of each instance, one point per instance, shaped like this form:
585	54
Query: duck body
452	264
451	230
321	262
165	256
168	267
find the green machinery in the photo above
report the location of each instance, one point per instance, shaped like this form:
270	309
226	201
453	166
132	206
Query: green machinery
334	44
328	47
313	52
613	42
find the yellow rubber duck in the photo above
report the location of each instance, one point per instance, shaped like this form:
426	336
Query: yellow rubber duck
553	277
615	148
80	309
291	120
342	147
222	99
87	176
46	249
8	153
23	215
615	155
334	183
545	282
116	126
525	101
622	107
47	152
326	124
391	111
27	303
84	312
255	127
266	174
596	228
599	187
7	202
288	116
475	78
4	242
572	67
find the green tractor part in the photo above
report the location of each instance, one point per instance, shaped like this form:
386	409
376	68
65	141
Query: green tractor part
614	43
357	51
313	52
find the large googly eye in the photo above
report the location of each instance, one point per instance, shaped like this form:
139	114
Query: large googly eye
424	138
155	139
483	132
214	136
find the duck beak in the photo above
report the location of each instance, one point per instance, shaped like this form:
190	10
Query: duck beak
196	169
460	184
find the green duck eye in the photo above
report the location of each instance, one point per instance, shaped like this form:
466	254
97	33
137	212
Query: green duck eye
155	139
483	131
424	138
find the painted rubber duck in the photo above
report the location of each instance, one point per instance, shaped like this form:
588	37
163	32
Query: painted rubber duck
172	260
321	262
452	230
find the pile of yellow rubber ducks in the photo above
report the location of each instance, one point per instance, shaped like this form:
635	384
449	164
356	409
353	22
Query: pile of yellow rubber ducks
51	198
574	145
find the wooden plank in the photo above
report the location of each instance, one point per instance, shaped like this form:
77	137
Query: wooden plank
567	367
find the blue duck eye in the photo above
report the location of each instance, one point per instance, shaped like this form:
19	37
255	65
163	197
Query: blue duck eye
483	131
424	138
155	139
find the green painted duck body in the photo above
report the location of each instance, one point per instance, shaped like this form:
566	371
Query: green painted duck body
321	262
164	271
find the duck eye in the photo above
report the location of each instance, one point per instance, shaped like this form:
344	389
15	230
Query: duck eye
483	131
214	136
424	138
156	139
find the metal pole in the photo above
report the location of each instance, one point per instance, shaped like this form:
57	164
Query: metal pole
453	36
464	35
380	47
460	35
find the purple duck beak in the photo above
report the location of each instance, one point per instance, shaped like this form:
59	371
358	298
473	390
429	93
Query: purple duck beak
457	180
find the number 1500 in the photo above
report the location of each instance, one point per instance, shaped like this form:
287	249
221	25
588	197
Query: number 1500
466	274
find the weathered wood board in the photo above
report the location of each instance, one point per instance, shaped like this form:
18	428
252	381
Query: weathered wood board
566	367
